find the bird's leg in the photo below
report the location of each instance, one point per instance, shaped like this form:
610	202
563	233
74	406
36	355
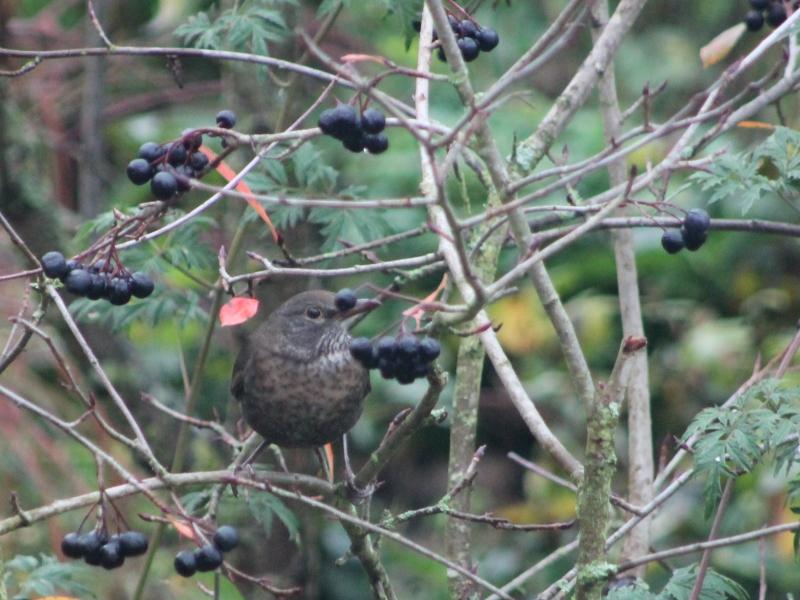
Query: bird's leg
323	460
356	494
251	459
281	461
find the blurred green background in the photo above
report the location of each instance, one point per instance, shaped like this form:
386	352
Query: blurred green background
708	315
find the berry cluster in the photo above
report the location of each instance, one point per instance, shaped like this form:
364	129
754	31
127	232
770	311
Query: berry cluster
98	549
356	133
692	234
98	280
208	557
405	358
169	166
773	12
472	38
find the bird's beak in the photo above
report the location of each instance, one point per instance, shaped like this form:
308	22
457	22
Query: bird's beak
362	306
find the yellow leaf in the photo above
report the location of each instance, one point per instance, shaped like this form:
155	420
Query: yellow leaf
524	325
720	46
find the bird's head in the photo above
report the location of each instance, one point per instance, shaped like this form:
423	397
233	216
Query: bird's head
312	320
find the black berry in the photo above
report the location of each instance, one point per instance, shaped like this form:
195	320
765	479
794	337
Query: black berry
54	265
361	349
754	19
672	241
226	538
99	286
133	543
405	376
198	162
776	14
487	39
119	291
90	545
429	350
345	300
440	53
388	368
164	185
373	121
354	143
78	282
760	4
177	155
191	140
387	348
150	151
407	348
141	285
693	242
469	29
207	558
455	24
469	49
420	369
182	176
697	221
185	563
226	119
341	122
139	171
71	546
111	555
376	144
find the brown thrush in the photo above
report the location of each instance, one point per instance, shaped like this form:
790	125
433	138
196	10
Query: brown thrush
295	379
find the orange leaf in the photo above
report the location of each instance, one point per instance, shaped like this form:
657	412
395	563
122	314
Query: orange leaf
718	48
183	529
417	311
238	310
228	173
361	57
329	456
755	125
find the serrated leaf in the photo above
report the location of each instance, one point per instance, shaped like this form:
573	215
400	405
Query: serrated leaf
310	171
46	574
715	586
265	506
353	225
286	217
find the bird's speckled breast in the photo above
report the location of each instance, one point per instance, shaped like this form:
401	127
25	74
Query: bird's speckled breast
316	405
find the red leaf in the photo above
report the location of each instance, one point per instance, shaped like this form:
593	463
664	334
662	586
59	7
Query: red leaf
238	310
228	173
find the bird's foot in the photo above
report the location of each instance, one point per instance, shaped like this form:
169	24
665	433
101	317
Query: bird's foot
357	495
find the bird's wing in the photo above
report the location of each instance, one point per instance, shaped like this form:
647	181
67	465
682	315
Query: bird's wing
237	378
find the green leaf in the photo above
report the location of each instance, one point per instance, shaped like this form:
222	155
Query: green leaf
715	586
638	591
328	7
265	506
194	501
45	575
353	225
310	171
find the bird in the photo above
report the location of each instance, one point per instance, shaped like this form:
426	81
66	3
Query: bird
295	380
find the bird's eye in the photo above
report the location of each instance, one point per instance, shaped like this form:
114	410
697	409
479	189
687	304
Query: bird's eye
313	313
